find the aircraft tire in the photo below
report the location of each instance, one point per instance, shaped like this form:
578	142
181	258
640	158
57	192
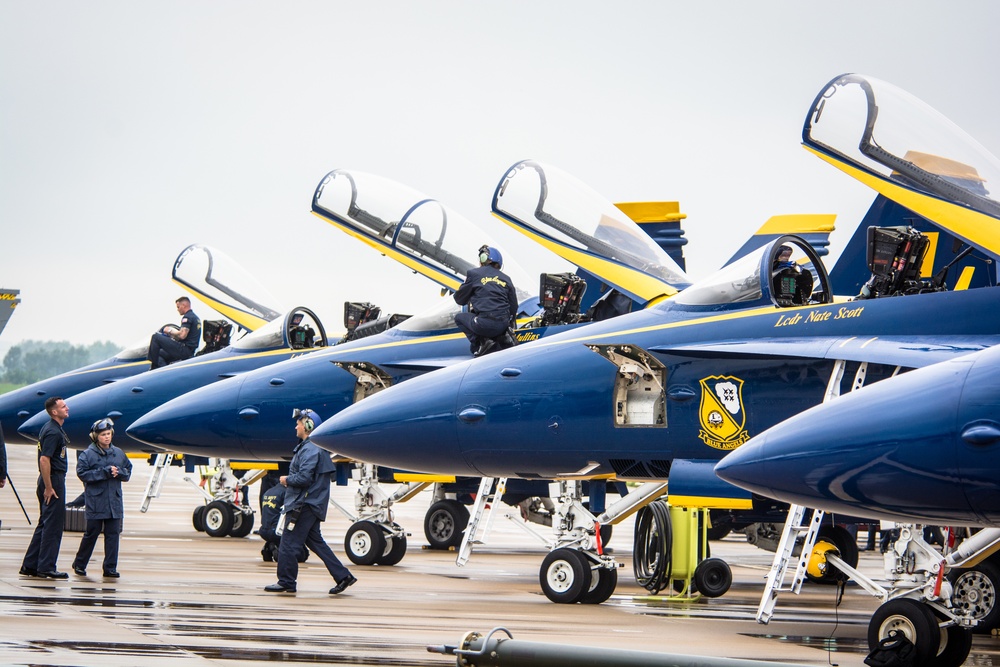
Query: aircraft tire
394	551
718	532
712	577
602	585
444	524
242	524
845	544
565	576
917	623
218	518
957	644
198	518
364	543
975	593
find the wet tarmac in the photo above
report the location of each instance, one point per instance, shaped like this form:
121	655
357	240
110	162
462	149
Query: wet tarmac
185	597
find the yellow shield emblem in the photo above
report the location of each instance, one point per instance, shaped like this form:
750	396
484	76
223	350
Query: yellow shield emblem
721	412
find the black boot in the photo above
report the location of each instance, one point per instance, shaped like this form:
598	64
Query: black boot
486	347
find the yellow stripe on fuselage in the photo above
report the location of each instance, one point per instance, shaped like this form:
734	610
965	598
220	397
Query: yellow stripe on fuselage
417	477
643	285
704	502
441	277
978	228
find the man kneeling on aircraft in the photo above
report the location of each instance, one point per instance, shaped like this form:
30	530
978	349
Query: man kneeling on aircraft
176	343
307	496
492	304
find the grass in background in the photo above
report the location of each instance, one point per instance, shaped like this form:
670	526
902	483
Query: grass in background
7	386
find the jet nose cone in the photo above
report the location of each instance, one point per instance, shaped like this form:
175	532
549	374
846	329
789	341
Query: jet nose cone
746	467
410	426
202	422
880	451
30	428
16	407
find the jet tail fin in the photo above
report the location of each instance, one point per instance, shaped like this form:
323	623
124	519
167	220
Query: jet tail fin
813	227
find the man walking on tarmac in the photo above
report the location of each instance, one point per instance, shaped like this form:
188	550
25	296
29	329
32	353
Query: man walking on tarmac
307	496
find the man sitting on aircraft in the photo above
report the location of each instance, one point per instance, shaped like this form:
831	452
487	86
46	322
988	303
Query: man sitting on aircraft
176	343
492	304
792	286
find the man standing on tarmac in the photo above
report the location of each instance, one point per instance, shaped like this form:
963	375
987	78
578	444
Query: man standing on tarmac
168	346
307	496
43	551
3	461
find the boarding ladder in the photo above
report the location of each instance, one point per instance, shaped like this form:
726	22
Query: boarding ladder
155	483
487	504
796	530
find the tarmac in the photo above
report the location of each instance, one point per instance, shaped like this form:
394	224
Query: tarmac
187	598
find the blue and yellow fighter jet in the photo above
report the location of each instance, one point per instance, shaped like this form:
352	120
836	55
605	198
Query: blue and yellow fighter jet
667	391
209	275
298	332
247	416
920	448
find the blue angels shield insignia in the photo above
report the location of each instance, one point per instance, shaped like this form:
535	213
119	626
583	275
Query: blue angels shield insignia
721	413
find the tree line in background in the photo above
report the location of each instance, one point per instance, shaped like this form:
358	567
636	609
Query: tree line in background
34	360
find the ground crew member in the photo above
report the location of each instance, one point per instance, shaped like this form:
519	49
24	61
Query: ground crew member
43	550
492	303
102	468
307	495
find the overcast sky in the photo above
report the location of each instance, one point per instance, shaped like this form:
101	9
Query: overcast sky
129	130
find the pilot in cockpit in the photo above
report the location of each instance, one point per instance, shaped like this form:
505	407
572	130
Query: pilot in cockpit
790	283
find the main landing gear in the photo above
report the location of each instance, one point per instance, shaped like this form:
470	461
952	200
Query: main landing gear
919	602
374	537
577	568
224	513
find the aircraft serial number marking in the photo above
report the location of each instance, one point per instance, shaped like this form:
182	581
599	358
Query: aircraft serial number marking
819	316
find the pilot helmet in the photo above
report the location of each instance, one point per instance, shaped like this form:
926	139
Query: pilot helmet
310	420
488	255
101	425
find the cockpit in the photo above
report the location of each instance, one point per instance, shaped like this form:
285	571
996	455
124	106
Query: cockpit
299	329
786	272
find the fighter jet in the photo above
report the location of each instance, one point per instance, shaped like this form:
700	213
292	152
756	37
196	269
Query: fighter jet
209	275
247	417
666	391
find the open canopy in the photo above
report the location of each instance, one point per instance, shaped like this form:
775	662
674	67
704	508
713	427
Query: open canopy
907	151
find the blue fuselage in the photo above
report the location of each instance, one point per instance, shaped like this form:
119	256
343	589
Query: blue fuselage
552	409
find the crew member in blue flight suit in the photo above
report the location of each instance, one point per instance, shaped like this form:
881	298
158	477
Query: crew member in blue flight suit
102	468
307	495
168	346
43	550
492	304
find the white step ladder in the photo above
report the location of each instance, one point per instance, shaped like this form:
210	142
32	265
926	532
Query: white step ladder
479	509
155	483
795	531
